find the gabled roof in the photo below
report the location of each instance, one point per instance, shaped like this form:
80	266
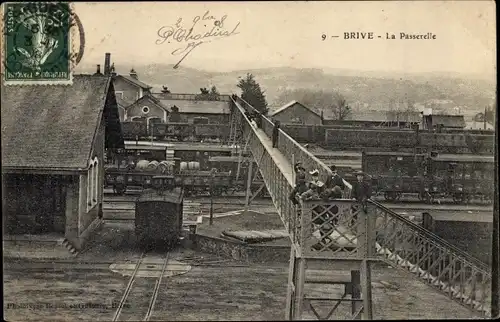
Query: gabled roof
198	107
121	102
151	99
53	127
284	107
134	81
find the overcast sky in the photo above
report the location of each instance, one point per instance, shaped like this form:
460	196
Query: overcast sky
290	34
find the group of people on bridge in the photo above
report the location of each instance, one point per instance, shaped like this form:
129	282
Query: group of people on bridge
332	188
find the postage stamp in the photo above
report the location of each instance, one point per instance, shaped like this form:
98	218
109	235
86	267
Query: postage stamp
37	47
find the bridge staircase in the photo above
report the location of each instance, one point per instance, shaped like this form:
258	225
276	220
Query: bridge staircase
344	236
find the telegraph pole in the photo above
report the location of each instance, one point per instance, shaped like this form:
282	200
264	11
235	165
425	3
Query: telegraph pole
212	175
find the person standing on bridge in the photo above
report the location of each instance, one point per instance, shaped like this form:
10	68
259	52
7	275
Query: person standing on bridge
258	119
300	183
361	190
276	130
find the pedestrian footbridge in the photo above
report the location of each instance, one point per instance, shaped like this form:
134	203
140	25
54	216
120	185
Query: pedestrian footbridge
342	235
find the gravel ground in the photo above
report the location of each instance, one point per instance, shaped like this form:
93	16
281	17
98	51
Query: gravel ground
205	293
214	288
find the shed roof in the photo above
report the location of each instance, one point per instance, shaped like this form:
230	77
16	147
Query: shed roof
384	116
290	104
52	127
198	107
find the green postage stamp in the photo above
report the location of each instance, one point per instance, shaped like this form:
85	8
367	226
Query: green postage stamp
37	43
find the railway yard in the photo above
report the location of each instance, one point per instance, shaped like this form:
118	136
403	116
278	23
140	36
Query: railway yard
255	226
114	280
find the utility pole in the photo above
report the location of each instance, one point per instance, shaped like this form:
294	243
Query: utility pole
484	118
212	175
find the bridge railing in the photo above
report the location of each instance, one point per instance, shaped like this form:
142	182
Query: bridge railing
442	265
344	228
348	230
294	151
337	228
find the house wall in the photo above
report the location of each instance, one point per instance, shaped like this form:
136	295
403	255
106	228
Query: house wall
88	218
34	203
299	115
470	236
122	113
72	210
154	111
131	93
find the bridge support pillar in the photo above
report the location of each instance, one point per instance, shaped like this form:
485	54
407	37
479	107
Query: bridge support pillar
322	288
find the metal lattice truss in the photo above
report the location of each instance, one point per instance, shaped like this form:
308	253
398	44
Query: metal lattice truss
439	265
344	229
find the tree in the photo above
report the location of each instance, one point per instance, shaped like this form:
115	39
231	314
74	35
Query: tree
252	93
214	91
165	90
340	109
208	95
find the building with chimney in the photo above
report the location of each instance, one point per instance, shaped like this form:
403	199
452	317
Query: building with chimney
54	140
137	103
128	88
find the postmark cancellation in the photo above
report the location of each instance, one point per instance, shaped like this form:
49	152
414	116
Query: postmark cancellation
38	45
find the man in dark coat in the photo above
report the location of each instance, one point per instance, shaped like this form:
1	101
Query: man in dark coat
361	190
276	133
335	179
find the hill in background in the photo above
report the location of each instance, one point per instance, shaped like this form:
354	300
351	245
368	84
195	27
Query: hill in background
374	90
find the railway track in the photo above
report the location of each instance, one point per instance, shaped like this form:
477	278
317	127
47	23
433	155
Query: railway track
240	199
131	306
129	205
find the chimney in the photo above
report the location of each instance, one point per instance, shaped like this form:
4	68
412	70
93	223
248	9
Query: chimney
98	72
107	63
133	74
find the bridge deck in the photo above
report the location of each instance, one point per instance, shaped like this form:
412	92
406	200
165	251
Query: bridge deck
279	159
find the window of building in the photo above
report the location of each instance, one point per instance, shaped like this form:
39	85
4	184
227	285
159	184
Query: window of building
145	109
92	183
119	94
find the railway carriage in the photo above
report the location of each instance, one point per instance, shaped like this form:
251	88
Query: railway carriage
396	173
429	176
463	177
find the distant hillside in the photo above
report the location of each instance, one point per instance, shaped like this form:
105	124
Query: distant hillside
376	89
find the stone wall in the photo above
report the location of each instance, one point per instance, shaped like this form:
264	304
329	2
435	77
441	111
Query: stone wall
241	251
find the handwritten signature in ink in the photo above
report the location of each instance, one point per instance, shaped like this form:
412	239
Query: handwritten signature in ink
208	29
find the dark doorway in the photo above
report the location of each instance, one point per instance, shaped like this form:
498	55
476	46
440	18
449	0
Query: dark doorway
36	204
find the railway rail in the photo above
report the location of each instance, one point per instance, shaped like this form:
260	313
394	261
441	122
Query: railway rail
127	310
113	204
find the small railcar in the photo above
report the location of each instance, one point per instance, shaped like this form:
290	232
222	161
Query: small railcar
158	214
